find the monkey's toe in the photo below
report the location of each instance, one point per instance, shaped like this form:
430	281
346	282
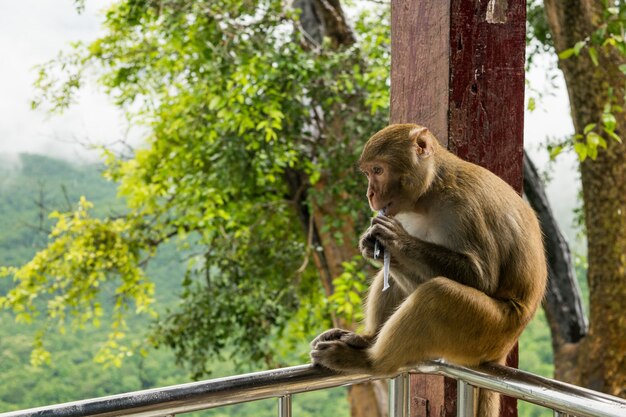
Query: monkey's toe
340	357
325	354
332	334
356	341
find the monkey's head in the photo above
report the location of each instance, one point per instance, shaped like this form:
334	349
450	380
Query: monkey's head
399	164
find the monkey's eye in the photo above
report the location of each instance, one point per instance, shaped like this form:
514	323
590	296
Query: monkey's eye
377	170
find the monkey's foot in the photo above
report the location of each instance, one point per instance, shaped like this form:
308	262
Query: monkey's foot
341	357
332	334
348	337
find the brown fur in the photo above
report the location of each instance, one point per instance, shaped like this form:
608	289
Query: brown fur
467	263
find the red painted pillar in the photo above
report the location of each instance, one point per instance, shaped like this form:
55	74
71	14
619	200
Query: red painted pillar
457	67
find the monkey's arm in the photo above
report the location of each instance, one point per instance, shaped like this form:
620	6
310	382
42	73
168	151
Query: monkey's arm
420	260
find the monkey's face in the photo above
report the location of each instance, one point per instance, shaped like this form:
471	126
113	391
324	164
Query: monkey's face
382	185
398	163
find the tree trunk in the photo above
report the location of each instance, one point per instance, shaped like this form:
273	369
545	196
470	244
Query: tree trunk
601	354
321	18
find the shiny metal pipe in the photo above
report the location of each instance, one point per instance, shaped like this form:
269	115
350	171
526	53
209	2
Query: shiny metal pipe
201	395
533	388
281	382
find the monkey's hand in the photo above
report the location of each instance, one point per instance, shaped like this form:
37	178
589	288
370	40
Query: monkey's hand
389	233
367	244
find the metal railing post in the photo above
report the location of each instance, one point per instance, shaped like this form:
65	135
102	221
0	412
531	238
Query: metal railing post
399	395
284	406
466	396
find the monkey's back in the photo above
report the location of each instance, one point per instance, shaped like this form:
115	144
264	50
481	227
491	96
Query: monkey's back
503	231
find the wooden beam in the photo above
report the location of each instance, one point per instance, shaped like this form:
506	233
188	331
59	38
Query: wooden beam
486	101
420	64
457	67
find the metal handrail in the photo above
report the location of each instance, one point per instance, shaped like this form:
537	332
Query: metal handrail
282	383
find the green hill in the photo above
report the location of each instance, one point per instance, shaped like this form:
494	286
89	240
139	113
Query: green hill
31	186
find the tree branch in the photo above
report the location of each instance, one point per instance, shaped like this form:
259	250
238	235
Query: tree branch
563	303
321	18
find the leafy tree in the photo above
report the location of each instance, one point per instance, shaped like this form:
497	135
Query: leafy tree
589	39
256	113
27	194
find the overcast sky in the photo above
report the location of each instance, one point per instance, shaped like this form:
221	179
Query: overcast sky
33	31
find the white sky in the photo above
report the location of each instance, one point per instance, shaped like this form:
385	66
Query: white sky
33	31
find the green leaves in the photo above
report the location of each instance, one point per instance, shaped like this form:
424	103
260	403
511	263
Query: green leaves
573	51
64	283
608	35
248	130
606	40
609	122
587	143
593	54
349	287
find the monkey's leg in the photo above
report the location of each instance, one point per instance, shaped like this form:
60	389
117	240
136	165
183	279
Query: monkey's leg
349	347
379	304
444	319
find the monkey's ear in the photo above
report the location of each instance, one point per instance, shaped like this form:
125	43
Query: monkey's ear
422	141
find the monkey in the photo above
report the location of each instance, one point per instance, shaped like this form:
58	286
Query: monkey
467	263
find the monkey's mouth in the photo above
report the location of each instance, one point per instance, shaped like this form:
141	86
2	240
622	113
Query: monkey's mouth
385	210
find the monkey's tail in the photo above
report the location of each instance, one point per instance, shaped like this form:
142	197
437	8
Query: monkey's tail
488	403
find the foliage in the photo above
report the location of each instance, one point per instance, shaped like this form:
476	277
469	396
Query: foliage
72	375
237	105
89	249
608	39
608	34
349	286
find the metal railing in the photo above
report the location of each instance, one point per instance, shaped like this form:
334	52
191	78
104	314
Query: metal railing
283	383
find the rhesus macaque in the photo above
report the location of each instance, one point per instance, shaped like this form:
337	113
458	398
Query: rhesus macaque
467	263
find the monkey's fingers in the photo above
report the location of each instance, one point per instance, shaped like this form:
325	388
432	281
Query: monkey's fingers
385	234
389	222
367	246
322	351
325	345
326	354
367	249
368	253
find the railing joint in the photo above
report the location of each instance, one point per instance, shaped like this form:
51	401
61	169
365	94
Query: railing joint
284	406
